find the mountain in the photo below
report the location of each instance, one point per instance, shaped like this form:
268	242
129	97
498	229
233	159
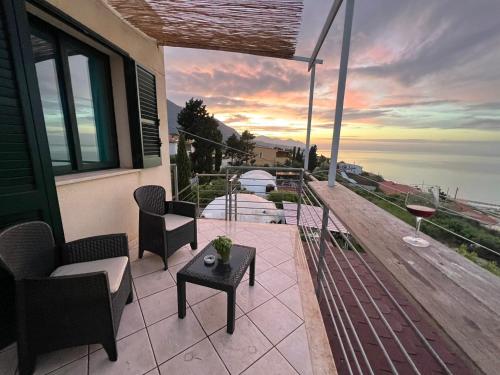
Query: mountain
174	109
262	140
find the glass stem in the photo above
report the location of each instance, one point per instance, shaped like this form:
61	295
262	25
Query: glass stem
417	226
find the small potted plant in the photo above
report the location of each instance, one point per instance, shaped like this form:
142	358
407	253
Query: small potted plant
222	245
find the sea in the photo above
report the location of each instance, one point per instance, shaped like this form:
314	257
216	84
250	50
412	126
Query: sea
471	170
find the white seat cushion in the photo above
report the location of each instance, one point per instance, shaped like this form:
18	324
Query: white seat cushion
115	267
173	221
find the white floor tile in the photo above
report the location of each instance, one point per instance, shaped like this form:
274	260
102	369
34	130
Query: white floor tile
159	305
271	363
173	335
275	281
135	356
275	320
149	263
275	256
291	298
295	348
249	297
212	312
8	361
153	283
79	367
243	347
198	359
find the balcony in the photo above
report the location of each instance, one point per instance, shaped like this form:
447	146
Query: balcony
278	327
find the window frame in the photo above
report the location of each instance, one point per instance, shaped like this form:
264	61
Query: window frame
62	42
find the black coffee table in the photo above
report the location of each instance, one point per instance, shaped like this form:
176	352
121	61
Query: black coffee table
217	276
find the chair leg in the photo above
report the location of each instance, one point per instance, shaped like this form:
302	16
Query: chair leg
130	297
165	264
111	350
26	360
194	245
141	253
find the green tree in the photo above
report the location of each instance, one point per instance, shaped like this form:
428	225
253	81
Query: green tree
234	142
183	163
247	147
313	158
218	159
195	119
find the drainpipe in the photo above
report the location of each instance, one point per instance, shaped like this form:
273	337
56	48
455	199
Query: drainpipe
344	60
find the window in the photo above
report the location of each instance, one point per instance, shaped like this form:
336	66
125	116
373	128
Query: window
75	89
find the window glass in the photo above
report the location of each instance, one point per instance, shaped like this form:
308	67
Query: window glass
84	107
44	52
75	90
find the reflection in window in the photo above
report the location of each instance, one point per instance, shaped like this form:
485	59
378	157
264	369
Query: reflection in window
75	89
46	71
84	107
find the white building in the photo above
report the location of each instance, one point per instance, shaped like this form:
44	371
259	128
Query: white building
350	168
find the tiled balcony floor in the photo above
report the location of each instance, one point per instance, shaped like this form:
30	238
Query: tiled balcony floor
270	335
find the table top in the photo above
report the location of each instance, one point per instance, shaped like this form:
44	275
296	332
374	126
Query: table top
218	274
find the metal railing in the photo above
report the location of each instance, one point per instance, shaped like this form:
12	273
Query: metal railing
330	262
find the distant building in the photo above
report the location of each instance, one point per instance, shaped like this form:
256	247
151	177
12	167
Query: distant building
173	140
350	168
270	155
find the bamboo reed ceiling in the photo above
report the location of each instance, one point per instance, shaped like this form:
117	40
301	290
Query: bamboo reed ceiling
257	27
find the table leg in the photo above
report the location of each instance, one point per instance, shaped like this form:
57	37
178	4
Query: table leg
231	310
252	272
181	298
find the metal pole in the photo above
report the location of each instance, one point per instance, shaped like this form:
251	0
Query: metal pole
309	117
236	203
301	181
230	199
227	182
176	182
198	194
322	245
344	60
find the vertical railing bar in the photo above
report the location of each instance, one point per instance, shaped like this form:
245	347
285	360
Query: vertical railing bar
226	199
300	195
198	194
324	225
349	320
348	339
176	182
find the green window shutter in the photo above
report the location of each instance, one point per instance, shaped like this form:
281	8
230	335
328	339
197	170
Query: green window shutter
143	116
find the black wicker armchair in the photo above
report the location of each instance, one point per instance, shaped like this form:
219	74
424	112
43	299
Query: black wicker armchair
68	295
164	226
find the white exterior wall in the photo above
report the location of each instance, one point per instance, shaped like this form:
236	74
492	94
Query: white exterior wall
101	202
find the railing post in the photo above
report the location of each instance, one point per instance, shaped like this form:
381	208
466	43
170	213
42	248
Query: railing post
301	181
198	194
322	245
176	182
230	199
227	182
236	203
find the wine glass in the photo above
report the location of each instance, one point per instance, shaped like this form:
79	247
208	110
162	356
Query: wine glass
422	205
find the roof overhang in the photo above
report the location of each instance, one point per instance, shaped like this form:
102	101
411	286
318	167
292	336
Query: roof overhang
256	27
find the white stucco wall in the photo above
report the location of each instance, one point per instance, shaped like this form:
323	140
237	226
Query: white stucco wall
101	202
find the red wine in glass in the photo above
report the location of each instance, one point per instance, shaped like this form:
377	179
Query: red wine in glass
421	205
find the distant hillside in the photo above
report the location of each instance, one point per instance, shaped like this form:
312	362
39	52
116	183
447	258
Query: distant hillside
174	109
262	140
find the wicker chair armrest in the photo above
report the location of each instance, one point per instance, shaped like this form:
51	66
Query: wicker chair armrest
181	208
95	248
77	299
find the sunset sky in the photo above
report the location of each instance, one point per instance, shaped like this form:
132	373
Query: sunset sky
419	70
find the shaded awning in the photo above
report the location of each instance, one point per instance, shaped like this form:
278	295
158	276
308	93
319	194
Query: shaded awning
257	27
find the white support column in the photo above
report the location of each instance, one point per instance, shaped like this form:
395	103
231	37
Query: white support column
339	108
309	117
